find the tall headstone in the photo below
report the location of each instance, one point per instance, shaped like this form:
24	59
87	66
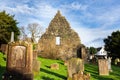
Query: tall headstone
12	37
74	66
19	60
103	67
109	64
36	63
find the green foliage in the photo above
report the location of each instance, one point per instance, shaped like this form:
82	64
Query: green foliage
92	50
112	44
7	25
34	46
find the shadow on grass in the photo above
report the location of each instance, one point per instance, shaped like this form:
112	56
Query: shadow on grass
47	78
61	63
52	73
102	78
47	66
2	71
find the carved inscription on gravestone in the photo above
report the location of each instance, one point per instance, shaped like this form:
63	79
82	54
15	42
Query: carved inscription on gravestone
18	56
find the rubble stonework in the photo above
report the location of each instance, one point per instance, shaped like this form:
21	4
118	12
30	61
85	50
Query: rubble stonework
69	40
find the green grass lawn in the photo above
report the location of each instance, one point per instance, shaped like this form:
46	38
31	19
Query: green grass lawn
93	70
47	74
2	65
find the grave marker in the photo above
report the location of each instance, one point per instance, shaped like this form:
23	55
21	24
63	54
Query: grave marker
74	65
19	60
109	64
12	37
103	67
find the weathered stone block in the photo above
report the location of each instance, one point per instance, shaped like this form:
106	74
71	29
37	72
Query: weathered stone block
54	66
4	48
74	66
103	67
20	58
81	76
36	65
35	54
65	63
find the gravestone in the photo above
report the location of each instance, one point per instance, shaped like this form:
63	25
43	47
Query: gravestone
81	76
36	67
36	63
54	66
12	37
103	67
74	66
109	64
35	54
4	48
19	60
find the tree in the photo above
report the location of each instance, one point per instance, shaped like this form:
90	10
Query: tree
7	25
33	30
23	33
92	50
112	44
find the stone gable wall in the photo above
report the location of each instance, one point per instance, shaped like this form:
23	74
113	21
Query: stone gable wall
69	40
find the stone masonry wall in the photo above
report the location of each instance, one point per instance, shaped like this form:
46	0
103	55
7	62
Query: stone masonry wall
69	40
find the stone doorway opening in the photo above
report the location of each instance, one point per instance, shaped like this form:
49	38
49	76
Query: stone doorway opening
79	54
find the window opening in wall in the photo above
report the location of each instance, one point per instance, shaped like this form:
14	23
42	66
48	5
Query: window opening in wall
57	40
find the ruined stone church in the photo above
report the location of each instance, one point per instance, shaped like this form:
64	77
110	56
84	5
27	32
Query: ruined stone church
60	41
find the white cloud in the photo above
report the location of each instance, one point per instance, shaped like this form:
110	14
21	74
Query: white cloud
46	10
92	37
39	10
74	6
23	9
78	6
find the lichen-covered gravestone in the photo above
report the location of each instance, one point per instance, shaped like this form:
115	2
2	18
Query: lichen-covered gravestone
19	60
81	76
36	64
74	66
103	67
54	66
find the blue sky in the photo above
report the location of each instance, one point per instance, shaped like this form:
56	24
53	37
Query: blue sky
93	20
